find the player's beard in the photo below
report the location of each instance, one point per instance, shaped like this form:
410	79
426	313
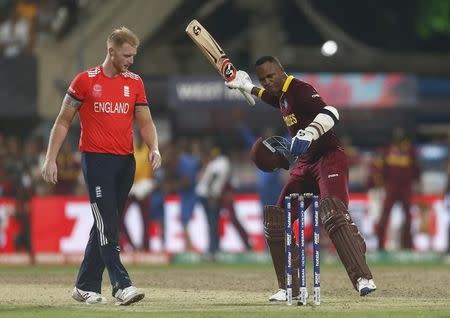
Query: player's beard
119	67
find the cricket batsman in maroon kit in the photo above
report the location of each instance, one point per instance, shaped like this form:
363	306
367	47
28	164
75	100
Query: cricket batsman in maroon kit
321	167
399	170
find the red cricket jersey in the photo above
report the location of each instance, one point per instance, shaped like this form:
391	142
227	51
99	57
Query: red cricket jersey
107	109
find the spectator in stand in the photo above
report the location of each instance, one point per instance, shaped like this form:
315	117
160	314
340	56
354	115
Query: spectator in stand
228	205
210	189
157	208
3	172
15	35
447	200
355	165
69	165
22	241
375	188
268	183
28	9
140	193
66	17
15	183
400	171
189	166
14	166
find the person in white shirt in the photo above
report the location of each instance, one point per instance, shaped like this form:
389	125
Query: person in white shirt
212	183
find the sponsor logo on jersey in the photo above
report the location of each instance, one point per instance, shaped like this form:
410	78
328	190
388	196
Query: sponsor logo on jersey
131	75
111	107
285	103
97	90
315	96
98	192
93	72
290	120
333	175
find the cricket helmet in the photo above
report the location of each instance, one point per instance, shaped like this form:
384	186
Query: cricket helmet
272	153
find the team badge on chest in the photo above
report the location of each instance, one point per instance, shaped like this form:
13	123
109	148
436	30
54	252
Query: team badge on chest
97	90
126	91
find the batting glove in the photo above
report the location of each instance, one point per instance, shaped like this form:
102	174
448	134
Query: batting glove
301	142
242	82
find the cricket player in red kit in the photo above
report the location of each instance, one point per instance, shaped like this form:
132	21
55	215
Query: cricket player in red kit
107	98
321	167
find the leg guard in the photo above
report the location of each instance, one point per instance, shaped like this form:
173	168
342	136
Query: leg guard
347	239
274	233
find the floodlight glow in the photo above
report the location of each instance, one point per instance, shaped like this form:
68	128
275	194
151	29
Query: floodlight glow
329	48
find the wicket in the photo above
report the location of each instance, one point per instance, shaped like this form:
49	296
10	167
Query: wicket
302	251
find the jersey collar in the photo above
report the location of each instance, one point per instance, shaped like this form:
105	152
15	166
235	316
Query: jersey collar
103	73
287	83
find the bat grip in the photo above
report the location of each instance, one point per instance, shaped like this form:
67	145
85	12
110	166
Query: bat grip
248	98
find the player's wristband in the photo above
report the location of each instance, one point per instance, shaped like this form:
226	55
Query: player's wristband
260	92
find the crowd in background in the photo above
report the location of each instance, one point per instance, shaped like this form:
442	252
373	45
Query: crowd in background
23	22
395	166
385	170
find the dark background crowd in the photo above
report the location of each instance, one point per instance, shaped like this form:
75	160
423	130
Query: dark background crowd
405	146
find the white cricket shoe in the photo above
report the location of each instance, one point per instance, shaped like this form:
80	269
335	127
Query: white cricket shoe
365	286
280	295
128	295
88	297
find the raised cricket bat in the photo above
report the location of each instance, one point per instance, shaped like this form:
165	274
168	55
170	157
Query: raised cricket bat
214	53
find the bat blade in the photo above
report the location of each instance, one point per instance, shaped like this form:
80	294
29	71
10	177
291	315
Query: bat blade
211	50
214	53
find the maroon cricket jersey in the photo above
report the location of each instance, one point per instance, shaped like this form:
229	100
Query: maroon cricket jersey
299	104
400	167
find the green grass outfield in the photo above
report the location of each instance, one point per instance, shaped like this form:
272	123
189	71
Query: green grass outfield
228	290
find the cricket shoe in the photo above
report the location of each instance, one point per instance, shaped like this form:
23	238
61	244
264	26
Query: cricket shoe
128	295
88	297
280	295
365	286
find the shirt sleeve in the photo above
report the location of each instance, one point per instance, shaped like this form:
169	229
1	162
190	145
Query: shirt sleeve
141	97
78	87
310	100
269	98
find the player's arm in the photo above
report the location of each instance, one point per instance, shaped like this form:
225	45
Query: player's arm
266	97
149	135
327	116
58	133
322	123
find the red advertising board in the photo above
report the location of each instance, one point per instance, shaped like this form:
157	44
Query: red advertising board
53	220
61	225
